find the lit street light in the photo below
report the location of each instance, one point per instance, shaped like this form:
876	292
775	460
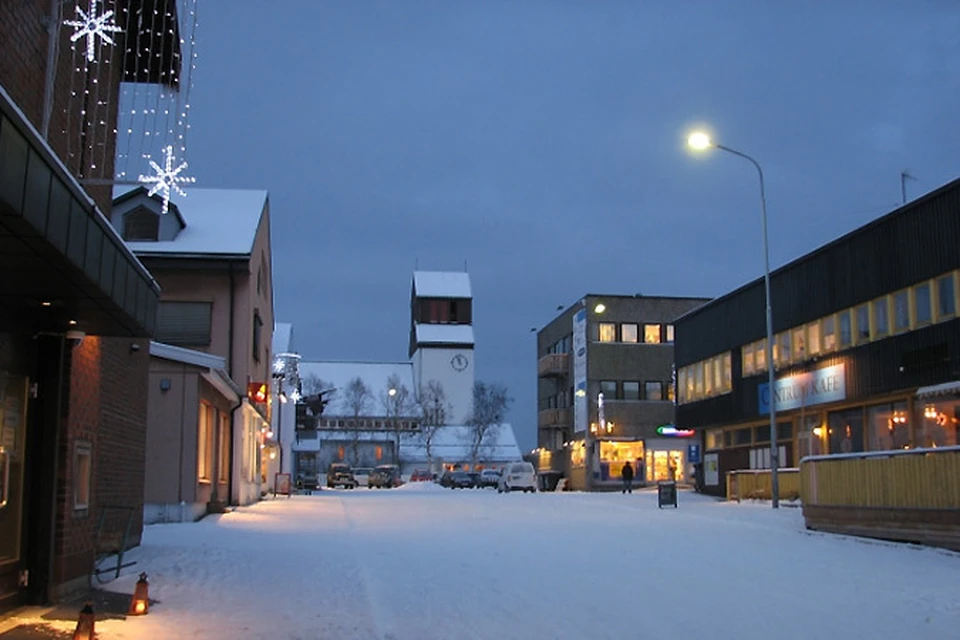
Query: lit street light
700	141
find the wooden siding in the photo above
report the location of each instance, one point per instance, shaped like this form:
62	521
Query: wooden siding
913	243
753	484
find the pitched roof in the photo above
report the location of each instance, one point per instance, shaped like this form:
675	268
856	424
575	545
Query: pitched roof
218	222
441	284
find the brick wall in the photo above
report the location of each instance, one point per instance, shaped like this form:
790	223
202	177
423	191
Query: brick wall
108	409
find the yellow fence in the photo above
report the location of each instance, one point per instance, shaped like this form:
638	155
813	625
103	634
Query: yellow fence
752	484
917	479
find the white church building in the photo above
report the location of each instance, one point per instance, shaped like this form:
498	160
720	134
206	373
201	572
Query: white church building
381	423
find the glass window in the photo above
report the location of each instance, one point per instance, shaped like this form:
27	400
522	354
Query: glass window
941	424
628	332
946	300
653	390
846	329
799	345
888	427
742	436
691	385
698	384
784	350
609	389
608	332
760	355
669	333
82	467
671	394
682	385
718	374
651	333
747	356
708	377
813	338
922	309
727	374
863	323
881	320
631	390
846	431
901	311
830	333
714	439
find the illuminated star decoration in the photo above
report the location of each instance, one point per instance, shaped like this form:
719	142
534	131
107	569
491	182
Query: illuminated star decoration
90	25
167	178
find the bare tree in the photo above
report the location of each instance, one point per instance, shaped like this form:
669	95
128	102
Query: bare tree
356	403
490	404
395	400
434	412
313	384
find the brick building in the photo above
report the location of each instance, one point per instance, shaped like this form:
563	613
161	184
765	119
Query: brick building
74	322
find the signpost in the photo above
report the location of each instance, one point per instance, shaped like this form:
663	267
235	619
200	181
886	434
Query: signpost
281	484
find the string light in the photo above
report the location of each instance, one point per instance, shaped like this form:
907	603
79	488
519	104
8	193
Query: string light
167	178
91	26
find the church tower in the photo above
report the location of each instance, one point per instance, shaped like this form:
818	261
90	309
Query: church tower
441	336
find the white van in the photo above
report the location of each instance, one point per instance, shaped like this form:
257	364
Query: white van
518	475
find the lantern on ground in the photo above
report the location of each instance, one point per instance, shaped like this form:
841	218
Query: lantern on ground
85	624
140	603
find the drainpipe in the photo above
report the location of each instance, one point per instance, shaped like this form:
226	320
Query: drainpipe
233	412
53	45
183	418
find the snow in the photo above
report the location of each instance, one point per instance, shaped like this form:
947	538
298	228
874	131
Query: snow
441	284
219	222
946	388
423	563
889	453
282	337
338	374
445	334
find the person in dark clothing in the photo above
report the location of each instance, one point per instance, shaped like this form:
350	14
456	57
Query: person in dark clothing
627	474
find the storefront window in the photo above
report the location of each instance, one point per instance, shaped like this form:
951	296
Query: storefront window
614	454
742	436
760	355
813	338
941	421
577	454
714	439
946	302
846	431
922	303
830	334
846	335
888	427
799	345
863	323
901	311
784	349
665	465
708	377
718	375
810	438
691	382
746	357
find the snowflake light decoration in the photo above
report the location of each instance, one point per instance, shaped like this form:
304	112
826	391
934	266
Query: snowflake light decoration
167	178
91	26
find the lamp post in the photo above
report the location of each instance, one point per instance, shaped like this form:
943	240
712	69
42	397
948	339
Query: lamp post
281	399
700	141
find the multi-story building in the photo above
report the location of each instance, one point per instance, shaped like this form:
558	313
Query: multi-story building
866	348
605	390
76	307
211	255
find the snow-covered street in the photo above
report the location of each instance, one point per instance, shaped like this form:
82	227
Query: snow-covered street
425	563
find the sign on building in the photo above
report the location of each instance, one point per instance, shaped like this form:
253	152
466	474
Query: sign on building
580	400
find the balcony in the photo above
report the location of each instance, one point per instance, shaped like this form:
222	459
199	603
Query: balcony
555	418
553	364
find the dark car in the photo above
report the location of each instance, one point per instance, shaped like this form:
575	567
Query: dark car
456	480
385	476
340	475
308	480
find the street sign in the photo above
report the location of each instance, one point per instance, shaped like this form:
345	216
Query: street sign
693	453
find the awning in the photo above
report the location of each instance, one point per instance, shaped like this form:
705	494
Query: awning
945	389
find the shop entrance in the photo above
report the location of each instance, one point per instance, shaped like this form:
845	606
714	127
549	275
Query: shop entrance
13	414
666	465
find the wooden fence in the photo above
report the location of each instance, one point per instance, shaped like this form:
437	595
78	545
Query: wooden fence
756	484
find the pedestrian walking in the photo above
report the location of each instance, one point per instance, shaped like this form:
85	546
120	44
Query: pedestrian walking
627	474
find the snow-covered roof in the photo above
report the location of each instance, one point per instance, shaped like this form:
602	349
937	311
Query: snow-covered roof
441	284
452	444
338	374
216	373
219	222
282	337
444	334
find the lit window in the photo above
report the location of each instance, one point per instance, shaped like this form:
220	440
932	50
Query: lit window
205	443
799	345
727	373
82	468
669	333
671	393
760	355
628	332
863	323
901	311
631	390
653	390
608	332
784	340
718	374
946	298
708	377
223	472
813	338
846	328
829	334
714	439
881	320
691	386
747	357
682	385
651	333
922	303
698	384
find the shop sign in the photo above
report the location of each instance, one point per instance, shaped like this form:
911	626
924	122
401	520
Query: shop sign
671	431
580	402
258	392
693	453
805	389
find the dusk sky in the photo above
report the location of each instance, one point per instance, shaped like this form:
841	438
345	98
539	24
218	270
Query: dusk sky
542	143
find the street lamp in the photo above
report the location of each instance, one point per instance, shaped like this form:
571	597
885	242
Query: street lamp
700	141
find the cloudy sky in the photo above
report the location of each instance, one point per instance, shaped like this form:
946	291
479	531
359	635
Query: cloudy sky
541	142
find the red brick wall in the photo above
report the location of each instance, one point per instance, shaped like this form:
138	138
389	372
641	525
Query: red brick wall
108	409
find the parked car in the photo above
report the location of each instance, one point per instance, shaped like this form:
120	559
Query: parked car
474	479
518	475
421	475
385	476
308	480
340	475
362	476
456	480
489	478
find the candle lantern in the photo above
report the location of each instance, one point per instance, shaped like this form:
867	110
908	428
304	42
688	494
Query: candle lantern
140	603
85	624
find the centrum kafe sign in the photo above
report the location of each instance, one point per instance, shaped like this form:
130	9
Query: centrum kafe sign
805	389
